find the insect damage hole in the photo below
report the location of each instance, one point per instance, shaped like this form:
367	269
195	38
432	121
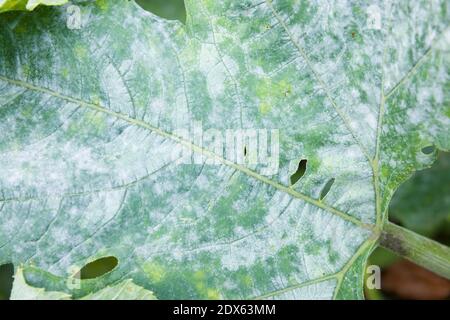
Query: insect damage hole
6	280
300	171
326	188
98	267
428	150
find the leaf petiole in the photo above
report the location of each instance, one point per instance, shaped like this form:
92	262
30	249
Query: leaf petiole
422	251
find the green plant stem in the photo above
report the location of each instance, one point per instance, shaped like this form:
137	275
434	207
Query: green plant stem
416	248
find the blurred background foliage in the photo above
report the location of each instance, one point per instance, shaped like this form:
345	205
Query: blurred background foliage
427	192
421	204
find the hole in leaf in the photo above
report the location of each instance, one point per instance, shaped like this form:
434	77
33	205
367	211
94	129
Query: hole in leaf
98	267
300	172
326	188
6	280
167	9
428	150
245	151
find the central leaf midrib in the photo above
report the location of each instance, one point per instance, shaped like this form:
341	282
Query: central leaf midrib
193	147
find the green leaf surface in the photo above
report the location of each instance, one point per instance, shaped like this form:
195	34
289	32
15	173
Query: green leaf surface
90	122
11	5
422	203
125	290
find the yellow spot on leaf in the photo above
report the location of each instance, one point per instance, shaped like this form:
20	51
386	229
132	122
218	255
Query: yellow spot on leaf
264	107
80	51
155	271
102	4
65	72
213	294
26	70
199	275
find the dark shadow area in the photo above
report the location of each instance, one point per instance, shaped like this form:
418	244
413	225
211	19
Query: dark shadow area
6	280
168	9
98	268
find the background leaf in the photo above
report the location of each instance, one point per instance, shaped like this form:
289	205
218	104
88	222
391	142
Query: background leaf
422	203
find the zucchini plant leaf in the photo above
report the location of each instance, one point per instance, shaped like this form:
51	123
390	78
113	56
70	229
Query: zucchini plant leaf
125	290
134	137
10	5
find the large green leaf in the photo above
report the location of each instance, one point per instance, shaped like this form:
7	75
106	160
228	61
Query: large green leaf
90	120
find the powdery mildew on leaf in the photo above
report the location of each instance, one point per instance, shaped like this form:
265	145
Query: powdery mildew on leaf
89	128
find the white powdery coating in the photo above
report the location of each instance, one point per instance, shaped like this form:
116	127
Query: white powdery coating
118	170
318	291
115	86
